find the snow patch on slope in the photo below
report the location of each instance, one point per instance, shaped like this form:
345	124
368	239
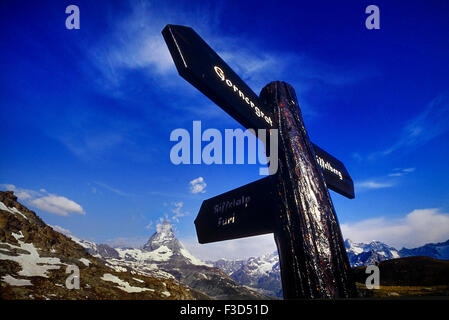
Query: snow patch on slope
192	258
162	253
16	282
12	210
31	262
123	285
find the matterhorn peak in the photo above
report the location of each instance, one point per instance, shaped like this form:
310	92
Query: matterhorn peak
164	236
165	228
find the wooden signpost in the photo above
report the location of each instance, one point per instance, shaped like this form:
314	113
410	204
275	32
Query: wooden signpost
294	203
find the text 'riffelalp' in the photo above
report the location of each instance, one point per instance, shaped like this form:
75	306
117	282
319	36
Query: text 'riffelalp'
231	204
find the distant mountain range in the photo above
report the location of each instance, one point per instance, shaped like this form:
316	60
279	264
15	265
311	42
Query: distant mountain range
33	258
433	250
362	254
263	272
164	256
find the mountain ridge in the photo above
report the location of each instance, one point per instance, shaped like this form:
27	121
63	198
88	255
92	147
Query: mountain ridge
35	259
164	256
262	273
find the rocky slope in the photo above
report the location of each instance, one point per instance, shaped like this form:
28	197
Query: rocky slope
34	260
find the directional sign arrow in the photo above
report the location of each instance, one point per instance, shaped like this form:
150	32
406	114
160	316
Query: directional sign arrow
243	212
200	65
335	174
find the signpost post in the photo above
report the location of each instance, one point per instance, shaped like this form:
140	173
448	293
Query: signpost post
294	203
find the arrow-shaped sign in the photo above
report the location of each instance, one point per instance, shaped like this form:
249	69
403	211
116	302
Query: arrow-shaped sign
242	212
200	65
335	174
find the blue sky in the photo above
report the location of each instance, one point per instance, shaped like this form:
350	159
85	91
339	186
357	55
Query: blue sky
87	114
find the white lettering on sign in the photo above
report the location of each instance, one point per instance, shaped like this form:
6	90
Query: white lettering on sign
242	95
225	221
327	166
231	204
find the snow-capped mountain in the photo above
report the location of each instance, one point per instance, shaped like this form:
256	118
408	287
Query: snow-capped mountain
260	273
263	273
433	250
362	254
164	256
164	241
228	266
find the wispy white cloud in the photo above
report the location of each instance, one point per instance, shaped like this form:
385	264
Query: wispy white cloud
388	181
258	65
396	174
46	201
417	228
177	211
371	184
399	172
113	190
136	43
428	125
149	226
198	185
173	214
22	194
